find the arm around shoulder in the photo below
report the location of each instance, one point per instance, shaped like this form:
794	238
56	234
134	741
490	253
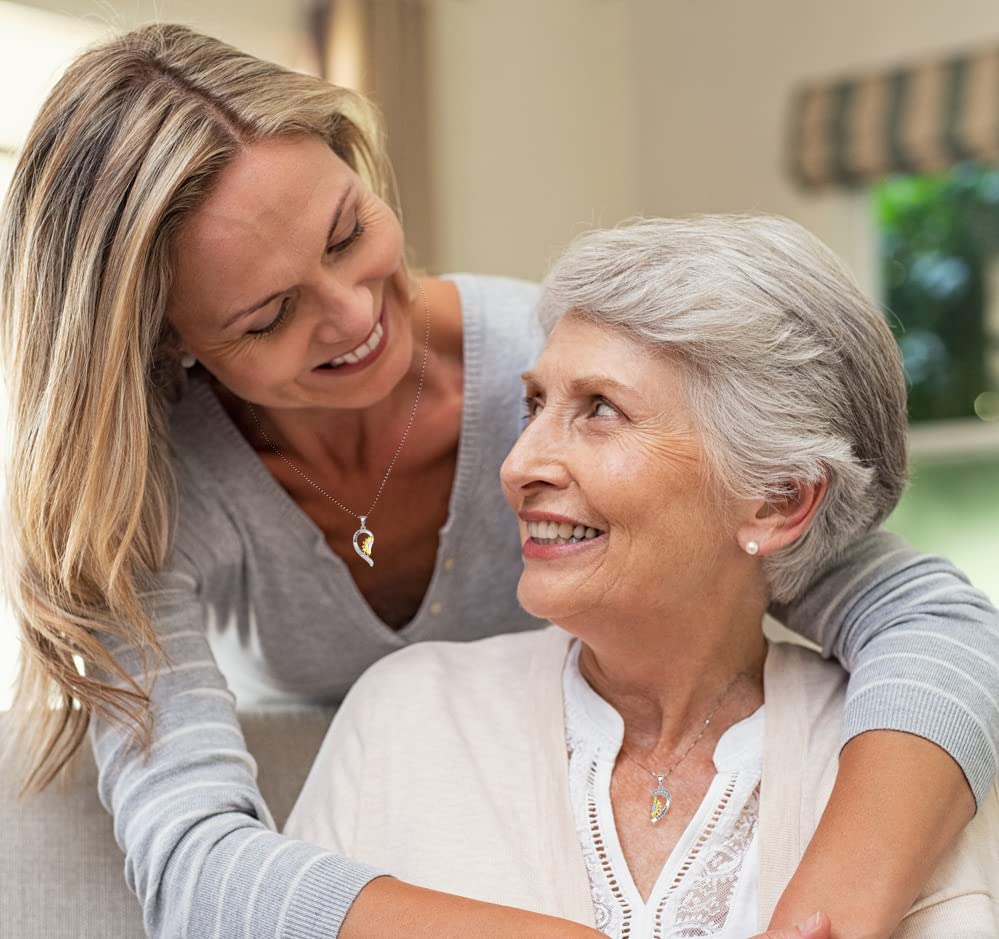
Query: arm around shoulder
200	850
922	646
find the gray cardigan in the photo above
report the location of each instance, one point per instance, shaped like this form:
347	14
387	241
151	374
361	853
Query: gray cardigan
255	607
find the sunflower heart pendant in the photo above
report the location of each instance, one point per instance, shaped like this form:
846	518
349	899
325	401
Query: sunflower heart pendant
364	541
662	799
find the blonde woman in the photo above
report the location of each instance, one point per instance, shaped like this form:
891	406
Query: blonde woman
215	356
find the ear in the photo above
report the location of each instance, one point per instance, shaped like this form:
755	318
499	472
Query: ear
777	523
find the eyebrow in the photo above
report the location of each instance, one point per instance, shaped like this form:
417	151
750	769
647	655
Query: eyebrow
235	317
585	384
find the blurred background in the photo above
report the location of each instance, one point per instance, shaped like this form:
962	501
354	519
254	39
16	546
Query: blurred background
516	124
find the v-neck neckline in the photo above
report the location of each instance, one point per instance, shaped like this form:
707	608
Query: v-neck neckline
466	470
735	746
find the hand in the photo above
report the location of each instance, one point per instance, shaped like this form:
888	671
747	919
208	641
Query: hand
818	927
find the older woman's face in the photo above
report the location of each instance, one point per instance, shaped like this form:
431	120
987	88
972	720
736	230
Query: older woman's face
612	453
292	239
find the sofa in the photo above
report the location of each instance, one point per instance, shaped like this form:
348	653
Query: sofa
61	873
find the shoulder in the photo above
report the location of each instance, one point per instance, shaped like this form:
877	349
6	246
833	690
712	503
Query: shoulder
787	660
502	313
203	457
440	674
471	663
495	292
805	698
806	695
198	427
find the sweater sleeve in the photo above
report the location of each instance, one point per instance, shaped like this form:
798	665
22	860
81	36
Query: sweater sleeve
921	645
201	852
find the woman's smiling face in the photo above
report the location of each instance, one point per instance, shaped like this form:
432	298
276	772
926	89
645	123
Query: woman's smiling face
293	239
611	446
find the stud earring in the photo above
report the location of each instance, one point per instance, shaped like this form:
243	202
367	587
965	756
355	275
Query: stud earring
187	360
752	547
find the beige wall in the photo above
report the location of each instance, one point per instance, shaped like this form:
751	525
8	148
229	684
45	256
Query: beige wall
553	115
268	28
533	128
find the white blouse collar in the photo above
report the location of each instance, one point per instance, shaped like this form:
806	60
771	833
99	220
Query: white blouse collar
739	748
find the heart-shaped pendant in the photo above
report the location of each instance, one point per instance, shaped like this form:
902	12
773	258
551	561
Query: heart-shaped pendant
364	541
662	799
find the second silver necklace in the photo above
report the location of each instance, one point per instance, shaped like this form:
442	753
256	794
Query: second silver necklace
364	538
662	798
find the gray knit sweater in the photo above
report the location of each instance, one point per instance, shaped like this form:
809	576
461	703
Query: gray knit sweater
256	608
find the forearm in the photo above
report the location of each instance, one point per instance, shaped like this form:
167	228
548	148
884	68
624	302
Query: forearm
195	829
389	907
897	807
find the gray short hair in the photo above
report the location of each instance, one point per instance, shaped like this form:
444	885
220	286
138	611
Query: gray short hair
792	371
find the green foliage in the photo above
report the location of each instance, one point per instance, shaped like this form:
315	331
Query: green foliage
937	234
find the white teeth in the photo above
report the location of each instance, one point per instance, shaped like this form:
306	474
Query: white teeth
363	350
560	532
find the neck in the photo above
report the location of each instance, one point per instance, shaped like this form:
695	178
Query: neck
336	442
341	443
666	673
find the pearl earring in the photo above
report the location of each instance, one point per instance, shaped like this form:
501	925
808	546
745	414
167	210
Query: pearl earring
187	360
752	547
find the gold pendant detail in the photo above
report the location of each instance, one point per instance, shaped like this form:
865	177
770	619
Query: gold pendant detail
662	799
364	541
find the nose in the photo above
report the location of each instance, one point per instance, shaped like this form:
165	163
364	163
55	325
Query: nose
536	463
345	311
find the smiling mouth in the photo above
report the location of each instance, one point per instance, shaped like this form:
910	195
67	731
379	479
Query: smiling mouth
546	533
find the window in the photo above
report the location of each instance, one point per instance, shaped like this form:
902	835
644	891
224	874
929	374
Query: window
939	256
939	242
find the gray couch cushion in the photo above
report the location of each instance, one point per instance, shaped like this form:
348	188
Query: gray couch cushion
61	873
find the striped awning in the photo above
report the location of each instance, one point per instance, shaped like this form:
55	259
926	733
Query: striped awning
920	119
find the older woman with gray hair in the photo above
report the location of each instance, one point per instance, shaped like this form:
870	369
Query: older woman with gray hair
718	412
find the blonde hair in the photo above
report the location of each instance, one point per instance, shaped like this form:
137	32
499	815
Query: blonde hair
129	142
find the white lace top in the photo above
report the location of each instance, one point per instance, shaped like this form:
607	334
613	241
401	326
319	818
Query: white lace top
709	884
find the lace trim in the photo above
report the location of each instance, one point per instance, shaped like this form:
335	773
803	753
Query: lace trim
705	905
601	854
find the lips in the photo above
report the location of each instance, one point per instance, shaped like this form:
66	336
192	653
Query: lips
552	536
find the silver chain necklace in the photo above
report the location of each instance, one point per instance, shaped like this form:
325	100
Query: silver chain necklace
364	538
662	798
